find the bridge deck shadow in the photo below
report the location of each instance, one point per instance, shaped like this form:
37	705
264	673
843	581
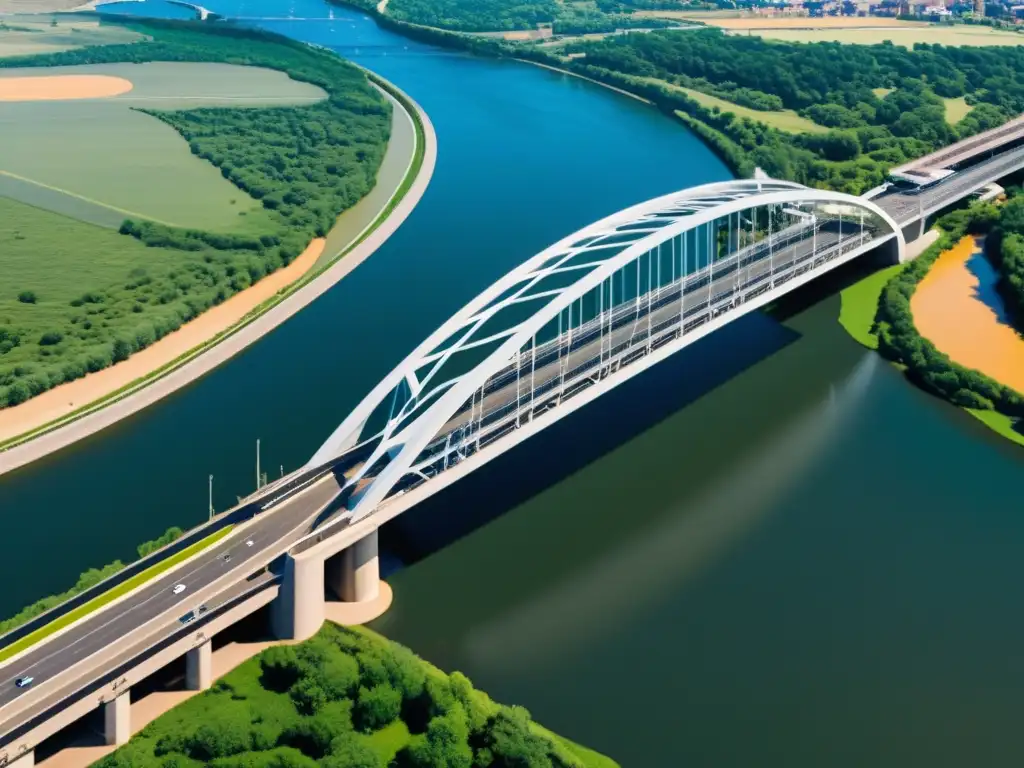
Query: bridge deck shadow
583	437
605	424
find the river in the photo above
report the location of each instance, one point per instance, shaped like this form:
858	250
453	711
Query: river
769	550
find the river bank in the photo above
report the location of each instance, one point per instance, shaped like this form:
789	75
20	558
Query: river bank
33	433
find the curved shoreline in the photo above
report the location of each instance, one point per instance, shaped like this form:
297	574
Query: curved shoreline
100	414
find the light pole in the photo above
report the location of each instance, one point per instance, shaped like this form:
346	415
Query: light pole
257	463
211	497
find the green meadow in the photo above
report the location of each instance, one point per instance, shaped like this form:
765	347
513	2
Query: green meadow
122	218
108	154
22	35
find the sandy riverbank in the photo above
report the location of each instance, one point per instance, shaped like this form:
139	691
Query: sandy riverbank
949	312
62	87
62	400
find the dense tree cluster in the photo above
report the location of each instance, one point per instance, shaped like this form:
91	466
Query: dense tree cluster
1005	247
316	704
829	83
305	164
86	580
899	340
566	18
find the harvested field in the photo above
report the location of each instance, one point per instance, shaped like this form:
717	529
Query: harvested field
897	35
62	87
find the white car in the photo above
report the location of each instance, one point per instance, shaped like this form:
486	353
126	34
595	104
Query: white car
248	543
178	589
24	682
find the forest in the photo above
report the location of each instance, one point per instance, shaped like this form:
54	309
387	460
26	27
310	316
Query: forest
568	18
347	698
881	103
304	164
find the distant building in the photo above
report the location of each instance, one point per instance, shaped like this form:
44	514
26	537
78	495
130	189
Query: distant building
979	7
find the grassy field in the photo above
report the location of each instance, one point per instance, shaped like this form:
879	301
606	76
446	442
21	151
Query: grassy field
24	35
955	36
104	153
783	119
998	422
860	303
108	597
956	110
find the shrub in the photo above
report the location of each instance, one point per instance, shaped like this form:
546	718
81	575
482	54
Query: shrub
27	297
377	707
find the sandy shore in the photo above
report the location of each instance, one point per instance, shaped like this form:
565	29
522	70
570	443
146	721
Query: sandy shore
948	312
62	400
62	87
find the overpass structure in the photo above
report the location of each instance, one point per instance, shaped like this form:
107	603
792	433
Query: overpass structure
584	315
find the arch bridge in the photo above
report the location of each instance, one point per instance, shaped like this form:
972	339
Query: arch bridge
586	314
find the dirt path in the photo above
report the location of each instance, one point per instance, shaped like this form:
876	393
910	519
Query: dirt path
62	87
62	400
948	311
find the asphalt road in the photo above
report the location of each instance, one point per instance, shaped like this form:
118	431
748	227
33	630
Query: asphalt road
270	533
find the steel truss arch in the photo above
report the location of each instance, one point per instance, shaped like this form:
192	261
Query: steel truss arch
626	236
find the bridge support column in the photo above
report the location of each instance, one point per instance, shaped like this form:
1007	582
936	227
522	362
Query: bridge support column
298	611
199	667
354	573
117	719
25	760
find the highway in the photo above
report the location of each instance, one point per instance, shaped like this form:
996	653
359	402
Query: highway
904	206
270	533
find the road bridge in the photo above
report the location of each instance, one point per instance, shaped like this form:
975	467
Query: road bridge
577	319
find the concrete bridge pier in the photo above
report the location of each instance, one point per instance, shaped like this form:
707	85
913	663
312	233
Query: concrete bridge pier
199	667
354	573
24	760
117	719
298	611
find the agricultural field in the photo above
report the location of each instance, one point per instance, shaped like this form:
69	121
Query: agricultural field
126	216
961	35
84	157
21	35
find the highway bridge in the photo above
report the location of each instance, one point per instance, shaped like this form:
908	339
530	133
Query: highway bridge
572	322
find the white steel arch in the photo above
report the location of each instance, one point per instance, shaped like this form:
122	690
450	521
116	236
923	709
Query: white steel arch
574	266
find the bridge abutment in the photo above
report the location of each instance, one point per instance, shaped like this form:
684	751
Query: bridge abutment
199	667
117	719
